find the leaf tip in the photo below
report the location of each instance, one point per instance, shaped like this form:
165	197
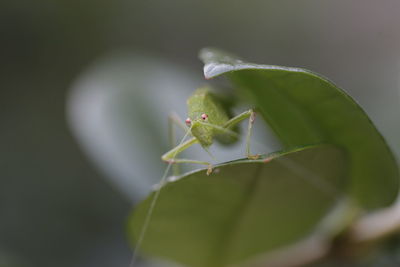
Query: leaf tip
216	62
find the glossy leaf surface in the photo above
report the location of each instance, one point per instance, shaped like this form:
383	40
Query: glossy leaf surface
303	107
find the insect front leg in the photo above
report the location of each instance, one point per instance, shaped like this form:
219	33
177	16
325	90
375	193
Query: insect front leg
251	115
170	156
252	118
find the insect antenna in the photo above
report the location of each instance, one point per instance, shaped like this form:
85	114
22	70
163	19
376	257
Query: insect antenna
152	206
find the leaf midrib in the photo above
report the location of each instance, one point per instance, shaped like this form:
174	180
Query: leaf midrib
237	217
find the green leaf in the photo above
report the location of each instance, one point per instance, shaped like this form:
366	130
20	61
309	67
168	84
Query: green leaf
303	107
244	209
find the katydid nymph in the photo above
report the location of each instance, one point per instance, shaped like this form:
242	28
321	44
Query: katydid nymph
208	120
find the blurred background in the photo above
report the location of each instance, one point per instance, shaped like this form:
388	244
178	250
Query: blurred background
84	82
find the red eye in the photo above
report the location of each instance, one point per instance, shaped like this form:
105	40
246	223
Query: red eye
204	116
188	121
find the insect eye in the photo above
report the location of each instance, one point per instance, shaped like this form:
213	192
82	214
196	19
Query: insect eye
204	117
188	121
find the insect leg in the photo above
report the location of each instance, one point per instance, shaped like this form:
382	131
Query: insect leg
174	120
170	155
219	129
235	120
248	136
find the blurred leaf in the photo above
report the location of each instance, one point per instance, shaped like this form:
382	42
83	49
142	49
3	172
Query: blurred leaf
244	209
119	115
304	108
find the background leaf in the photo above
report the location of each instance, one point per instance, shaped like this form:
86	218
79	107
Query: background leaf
245	208
116	110
303	107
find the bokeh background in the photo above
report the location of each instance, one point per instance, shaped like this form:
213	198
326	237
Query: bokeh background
59	205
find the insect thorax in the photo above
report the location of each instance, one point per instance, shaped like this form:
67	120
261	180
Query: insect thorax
203	101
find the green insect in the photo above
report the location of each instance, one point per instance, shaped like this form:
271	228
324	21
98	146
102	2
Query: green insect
209	120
